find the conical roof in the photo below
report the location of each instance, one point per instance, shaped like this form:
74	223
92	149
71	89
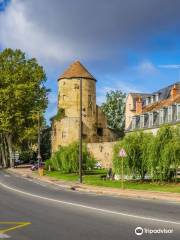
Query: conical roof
76	70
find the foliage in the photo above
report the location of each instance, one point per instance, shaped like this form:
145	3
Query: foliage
66	159
22	96
114	109
45	145
164	154
136	147
157	156
60	114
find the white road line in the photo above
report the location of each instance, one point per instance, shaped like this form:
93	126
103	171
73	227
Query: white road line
3	236
88	207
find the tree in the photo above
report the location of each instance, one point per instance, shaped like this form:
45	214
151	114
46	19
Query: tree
165	153
66	159
136	146
114	109
22	96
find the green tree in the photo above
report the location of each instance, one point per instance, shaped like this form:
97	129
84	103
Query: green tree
114	109
136	146
22	96
165	153
66	159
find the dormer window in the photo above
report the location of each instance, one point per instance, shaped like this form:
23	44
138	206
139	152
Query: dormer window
152	99
147	101
157	97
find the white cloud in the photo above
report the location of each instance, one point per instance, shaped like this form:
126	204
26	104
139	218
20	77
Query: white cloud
147	67
174	66
17	31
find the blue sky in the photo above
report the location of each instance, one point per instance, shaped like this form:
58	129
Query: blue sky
130	45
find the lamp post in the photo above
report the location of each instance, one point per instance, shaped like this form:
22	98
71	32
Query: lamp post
80	132
39	142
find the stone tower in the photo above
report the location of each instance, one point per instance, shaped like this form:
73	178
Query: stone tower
65	125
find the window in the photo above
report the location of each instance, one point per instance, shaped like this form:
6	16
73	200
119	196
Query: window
152	98
89	100
133	122
100	132
150	119
142	121
157	97
64	97
161	116
147	100
76	86
64	134
178	112
170	114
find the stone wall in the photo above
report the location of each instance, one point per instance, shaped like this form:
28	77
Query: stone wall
103	152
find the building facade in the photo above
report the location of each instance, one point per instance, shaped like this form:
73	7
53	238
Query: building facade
149	111
65	128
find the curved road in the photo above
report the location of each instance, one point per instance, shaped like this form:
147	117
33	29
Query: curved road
58	214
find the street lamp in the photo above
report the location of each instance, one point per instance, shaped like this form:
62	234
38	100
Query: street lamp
39	142
80	132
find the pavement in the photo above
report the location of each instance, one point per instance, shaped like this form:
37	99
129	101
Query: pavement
33	209
131	193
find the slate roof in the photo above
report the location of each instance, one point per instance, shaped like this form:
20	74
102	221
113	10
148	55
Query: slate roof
164	98
76	70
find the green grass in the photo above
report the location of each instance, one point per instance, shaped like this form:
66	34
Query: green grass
94	178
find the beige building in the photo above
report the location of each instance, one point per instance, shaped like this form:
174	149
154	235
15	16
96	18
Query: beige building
149	111
65	125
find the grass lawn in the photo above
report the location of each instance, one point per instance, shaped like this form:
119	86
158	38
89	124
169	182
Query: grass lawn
94	178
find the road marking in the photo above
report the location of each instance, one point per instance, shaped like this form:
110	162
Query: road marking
88	207
17	225
4	236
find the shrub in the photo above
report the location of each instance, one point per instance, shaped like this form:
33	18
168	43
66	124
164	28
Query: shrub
66	159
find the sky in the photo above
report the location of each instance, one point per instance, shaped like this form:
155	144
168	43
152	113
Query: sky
128	45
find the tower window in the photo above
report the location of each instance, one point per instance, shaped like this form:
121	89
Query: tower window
89	100
76	86
100	132
64	134
64	97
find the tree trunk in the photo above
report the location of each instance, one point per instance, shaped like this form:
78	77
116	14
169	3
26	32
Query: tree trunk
9	142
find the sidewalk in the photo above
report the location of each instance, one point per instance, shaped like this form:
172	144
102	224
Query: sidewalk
165	196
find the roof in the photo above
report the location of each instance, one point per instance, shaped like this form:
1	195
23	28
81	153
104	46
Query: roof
76	70
163	103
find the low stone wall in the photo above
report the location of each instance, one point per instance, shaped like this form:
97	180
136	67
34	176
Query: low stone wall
103	152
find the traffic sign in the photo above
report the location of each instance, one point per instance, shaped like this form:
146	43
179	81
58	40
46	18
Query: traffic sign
122	153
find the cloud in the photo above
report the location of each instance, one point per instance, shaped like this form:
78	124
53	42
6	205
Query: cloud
58	31
170	66
147	67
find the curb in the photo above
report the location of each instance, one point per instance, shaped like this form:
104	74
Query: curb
100	191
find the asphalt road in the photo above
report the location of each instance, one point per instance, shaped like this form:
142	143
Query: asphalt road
58	214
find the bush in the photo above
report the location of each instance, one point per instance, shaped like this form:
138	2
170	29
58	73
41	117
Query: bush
66	159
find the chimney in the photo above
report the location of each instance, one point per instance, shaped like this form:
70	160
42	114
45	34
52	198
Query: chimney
139	105
174	91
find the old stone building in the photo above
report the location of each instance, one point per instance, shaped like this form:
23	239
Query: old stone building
149	111
65	125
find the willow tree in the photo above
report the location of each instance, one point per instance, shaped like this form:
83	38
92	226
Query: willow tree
22	96
136	146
